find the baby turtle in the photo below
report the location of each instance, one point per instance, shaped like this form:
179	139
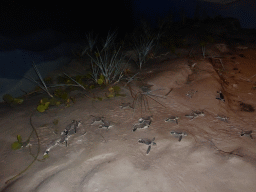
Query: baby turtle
125	105
97	120
178	134
220	96
191	93
147	119
195	114
146	88
52	145
68	131
172	119
144	123
147	142
222	118
71	128
247	133
106	124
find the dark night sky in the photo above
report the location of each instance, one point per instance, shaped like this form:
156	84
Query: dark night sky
75	19
70	18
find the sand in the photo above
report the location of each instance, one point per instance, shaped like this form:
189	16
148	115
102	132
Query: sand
213	157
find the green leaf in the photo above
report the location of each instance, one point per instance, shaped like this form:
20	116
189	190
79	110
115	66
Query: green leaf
19	138
16	145
47	104
45	156
100	81
41	108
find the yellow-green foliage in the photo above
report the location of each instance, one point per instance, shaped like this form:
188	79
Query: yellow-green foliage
44	104
101	80
17	144
10	100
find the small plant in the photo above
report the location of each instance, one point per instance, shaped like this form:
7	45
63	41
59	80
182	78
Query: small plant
67	82
17	144
203	44
44	104
107	64
91	43
110	65
206	39
146	44
42	85
142	48
12	101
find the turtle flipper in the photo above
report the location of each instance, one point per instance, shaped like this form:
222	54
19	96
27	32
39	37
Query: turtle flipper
149	147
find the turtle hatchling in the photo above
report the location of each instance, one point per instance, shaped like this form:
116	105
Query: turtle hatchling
172	119
247	133
220	96
195	114
223	118
147	142
106	124
97	120
147	120
144	123
71	128
178	134
64	136
126	106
